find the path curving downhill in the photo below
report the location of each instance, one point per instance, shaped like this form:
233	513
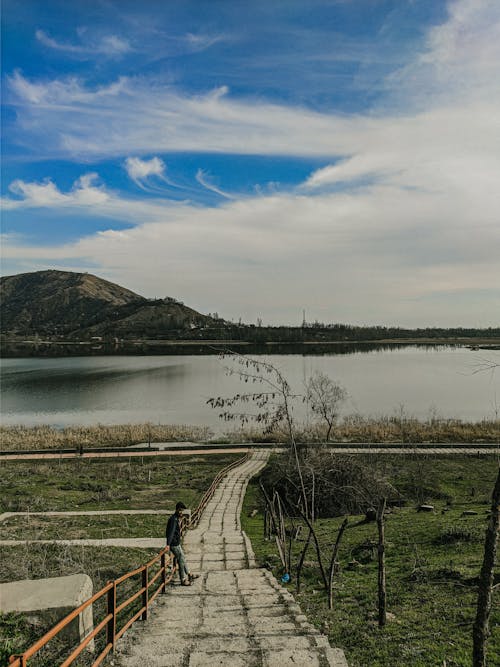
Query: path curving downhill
234	615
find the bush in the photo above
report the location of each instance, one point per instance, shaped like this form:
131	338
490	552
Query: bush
342	484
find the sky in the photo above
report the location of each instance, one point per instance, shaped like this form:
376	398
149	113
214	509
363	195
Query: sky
260	159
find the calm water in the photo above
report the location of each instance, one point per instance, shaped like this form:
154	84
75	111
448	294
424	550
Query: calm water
174	389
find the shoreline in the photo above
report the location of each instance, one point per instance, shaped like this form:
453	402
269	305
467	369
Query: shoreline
15	348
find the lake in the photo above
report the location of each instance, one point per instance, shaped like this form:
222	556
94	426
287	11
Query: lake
174	389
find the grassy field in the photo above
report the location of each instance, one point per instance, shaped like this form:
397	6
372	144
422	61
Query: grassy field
433	560
83	527
105	484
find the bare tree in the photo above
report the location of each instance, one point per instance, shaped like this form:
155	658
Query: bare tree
325	397
271	406
480	632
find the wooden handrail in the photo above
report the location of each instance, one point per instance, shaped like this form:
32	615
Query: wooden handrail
109	621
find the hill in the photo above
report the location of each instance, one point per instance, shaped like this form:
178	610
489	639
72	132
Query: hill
67	313
74	305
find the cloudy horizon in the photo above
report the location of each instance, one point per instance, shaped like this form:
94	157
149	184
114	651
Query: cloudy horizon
338	158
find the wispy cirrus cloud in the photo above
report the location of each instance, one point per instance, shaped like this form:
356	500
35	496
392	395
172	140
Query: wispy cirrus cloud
204	179
107	45
63	93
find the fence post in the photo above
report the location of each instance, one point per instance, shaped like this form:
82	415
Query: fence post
111	625
145	592
163	564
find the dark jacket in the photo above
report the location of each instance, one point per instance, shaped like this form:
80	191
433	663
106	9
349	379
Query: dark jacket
173	532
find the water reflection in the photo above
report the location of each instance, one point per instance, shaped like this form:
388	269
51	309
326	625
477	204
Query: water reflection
174	389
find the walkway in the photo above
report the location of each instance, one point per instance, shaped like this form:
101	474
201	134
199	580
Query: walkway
234	615
189	449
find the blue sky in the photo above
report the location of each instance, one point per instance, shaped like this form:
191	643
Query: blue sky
258	159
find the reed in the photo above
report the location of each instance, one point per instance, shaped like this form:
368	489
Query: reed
352	428
88	437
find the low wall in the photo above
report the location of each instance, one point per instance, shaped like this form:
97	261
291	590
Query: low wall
51	600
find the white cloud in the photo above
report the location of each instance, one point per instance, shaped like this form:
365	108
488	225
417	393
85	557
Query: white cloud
47	194
139	169
108	45
59	95
201	42
382	254
459	59
203	179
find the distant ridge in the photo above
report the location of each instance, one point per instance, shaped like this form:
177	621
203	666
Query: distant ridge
58	313
70	304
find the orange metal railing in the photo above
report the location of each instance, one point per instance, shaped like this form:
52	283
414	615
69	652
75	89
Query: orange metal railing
165	573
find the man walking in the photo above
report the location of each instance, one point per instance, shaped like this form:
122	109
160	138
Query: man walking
173	537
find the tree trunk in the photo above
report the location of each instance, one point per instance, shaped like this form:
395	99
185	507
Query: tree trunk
480	631
381	565
330	426
333	561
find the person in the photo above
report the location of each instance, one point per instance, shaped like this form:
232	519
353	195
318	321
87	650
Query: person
173	537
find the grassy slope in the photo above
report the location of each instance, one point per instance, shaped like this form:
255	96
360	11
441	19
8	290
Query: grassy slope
432	564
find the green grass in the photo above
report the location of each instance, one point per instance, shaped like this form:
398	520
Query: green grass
83	527
432	559
105	484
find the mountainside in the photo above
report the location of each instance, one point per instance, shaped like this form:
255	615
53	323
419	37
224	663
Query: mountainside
55	303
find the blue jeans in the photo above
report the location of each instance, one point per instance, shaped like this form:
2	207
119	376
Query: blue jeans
181	561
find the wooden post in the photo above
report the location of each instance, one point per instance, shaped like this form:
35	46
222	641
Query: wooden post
111	609
481	631
382	617
163	564
144	616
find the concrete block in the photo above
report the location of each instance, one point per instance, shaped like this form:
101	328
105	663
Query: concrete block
336	657
51	600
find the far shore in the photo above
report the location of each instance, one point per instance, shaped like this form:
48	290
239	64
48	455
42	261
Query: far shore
24	348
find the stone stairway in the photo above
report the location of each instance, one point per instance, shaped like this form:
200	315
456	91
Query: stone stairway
234	614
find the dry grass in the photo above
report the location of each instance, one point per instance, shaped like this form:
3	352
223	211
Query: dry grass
399	428
353	428
72	437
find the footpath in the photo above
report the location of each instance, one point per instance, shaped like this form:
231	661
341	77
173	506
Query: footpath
234	614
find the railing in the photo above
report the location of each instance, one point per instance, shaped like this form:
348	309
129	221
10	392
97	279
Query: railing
109	622
196	515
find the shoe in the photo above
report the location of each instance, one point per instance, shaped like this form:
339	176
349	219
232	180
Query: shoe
186	582
192	577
